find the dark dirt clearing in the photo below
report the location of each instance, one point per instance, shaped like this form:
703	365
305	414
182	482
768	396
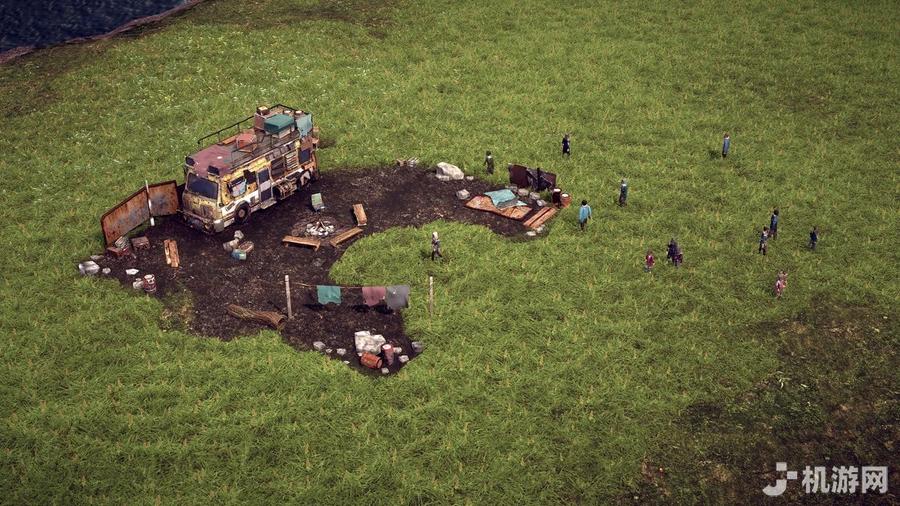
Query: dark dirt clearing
392	197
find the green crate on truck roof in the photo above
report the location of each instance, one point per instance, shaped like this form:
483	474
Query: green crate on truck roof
278	123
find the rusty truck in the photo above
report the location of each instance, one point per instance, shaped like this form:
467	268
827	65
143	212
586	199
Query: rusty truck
240	169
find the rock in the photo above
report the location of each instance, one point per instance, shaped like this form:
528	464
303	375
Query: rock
534	196
540	203
417	346
319	346
106	270
132	272
462	194
531	233
347	362
449	170
470	178
230	245
398	350
138	284
523	192
443	178
365	341
404	359
88	268
540	229
341	352
328	350
96	258
385	370
513	188
238	235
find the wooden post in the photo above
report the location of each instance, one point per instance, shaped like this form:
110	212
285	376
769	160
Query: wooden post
430	295
287	292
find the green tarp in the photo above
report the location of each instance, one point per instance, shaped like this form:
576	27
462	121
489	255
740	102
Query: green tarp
304	124
328	294
278	123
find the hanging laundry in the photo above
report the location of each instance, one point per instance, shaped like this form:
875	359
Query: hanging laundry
397	297
328	294
373	295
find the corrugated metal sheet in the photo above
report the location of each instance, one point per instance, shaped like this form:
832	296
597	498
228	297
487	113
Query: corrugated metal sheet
133	211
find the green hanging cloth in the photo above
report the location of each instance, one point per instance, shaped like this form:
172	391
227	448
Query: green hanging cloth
328	294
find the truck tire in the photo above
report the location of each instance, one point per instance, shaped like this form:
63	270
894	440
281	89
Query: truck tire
242	214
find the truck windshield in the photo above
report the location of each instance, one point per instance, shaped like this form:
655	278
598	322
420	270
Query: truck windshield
202	187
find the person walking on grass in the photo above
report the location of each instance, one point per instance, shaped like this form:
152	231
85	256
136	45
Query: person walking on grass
672	251
764	241
726	145
584	214
813	237
649	260
780	284
623	193
489	162
773	224
435	246
566	146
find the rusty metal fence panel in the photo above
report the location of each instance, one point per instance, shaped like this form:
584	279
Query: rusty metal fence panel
133	211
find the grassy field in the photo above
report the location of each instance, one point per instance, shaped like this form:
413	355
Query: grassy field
556	370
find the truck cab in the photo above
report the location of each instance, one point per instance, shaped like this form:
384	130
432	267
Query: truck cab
249	166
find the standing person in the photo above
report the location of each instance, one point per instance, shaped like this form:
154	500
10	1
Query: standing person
780	283
773	224
489	162
763	241
566	146
726	145
623	192
584	214
672	251
435	246
813	237
649	260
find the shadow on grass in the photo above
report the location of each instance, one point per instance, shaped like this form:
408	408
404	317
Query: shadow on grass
833	402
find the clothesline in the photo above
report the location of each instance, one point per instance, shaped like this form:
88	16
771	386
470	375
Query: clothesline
321	284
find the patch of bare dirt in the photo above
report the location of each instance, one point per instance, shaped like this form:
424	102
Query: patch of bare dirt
392	197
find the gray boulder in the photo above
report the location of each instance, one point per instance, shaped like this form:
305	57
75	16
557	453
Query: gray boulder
451	171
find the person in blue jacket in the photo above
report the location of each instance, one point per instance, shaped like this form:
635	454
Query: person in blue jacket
726	145
584	214
773	224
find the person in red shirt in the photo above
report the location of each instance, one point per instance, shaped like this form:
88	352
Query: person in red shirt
649	260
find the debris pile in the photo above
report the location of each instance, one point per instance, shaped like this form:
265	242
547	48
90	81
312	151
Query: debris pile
368	343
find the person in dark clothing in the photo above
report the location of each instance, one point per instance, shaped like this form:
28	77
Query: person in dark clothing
566	146
489	162
435	246
813	237
773	224
726	145
764	241
672	251
623	193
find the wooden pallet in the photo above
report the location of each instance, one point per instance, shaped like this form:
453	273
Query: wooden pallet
540	217
170	247
360	214
484	203
345	236
302	241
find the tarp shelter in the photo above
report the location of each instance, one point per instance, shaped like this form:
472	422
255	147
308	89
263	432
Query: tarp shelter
504	198
523	177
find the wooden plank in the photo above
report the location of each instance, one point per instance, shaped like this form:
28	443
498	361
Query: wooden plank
544	218
302	241
171	249
345	236
534	217
484	203
360	214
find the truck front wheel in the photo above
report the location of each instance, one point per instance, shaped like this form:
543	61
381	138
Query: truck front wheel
242	213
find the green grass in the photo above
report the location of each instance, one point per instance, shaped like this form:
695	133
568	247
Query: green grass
554	368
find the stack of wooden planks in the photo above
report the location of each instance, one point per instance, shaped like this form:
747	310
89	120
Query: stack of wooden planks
539	218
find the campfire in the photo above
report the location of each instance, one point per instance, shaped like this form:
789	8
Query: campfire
318	228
